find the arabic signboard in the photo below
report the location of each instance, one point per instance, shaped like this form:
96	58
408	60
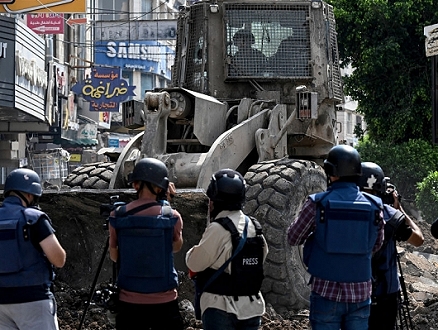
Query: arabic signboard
87	131
146	56
45	23
136	30
431	33
104	89
44	6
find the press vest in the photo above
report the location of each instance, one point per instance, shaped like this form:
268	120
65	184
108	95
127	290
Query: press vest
145	245
384	261
246	268
341	247
21	264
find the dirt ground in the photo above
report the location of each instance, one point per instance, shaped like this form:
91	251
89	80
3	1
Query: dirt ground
81	230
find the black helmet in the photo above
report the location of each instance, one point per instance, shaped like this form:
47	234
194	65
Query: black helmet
372	178
343	160
244	35
227	185
151	170
24	180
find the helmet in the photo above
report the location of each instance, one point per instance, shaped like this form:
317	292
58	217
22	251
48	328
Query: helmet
24	180
372	178
244	35
151	170
343	160
227	185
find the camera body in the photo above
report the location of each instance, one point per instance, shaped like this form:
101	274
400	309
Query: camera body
107	297
388	197
106	209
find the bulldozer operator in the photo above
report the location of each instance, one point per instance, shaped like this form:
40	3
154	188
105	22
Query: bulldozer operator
247	61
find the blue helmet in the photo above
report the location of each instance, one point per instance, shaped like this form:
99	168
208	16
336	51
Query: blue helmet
24	180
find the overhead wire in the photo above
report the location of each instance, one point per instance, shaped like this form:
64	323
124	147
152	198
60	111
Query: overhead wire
103	11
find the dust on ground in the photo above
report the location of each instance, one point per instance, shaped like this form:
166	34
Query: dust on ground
81	230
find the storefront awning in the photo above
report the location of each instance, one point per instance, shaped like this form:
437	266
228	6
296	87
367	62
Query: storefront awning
66	142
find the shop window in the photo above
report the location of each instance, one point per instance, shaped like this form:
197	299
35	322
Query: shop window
110	10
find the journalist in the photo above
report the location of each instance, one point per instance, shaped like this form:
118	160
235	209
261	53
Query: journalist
228	260
29	251
398	227
340	228
144	235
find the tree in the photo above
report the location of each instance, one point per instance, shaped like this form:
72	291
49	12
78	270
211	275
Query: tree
384	42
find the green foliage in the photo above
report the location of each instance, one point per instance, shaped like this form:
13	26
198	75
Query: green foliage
406	164
383	40
359	131
427	197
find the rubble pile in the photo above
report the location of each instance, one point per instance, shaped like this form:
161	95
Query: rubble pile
79	228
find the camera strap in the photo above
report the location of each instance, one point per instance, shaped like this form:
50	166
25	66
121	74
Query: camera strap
121	211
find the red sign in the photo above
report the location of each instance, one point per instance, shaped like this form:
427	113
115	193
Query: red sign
46	23
73	21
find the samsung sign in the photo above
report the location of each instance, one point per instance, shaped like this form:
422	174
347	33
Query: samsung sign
147	56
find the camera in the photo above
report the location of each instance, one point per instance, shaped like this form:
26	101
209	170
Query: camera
107	297
388	197
106	209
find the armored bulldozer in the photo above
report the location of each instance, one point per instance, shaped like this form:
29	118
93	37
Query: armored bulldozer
255	86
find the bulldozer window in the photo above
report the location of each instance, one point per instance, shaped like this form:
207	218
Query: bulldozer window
265	42
248	58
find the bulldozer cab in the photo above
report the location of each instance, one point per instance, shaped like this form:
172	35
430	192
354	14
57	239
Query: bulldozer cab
224	45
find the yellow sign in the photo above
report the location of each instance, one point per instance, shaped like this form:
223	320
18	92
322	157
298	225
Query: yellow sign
75	157
44	6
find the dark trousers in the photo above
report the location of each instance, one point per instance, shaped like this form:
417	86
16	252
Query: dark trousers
149	317
216	319
383	313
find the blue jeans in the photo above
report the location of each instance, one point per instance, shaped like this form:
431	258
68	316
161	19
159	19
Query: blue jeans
331	315
216	319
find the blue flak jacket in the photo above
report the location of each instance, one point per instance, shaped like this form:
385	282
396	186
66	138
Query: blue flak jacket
145	246
347	225
21	264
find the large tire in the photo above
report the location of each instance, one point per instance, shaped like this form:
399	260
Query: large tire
276	192
91	176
